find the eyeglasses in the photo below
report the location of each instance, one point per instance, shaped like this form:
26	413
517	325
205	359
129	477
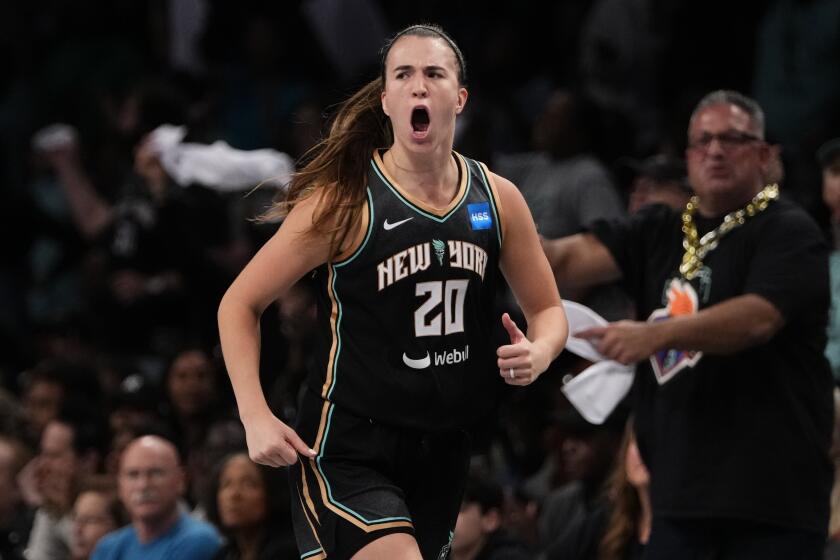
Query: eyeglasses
726	140
153	474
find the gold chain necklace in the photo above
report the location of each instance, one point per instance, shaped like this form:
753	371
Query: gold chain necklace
696	248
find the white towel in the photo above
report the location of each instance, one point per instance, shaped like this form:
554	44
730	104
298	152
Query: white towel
218	166
597	390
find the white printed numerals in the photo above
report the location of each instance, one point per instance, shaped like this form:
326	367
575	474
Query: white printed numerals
452	293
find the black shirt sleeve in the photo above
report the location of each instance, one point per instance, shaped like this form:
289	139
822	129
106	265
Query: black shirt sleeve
789	267
636	240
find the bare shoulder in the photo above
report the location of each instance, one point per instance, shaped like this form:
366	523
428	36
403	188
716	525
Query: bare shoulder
319	220
504	186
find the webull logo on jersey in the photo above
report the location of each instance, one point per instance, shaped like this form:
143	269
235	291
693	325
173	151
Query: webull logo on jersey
449	357
480	215
462	254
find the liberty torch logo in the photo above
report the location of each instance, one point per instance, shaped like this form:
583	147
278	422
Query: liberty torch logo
440	250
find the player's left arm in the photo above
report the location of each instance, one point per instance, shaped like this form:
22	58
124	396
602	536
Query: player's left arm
529	275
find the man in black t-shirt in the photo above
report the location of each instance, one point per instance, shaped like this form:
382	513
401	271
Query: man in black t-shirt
732	395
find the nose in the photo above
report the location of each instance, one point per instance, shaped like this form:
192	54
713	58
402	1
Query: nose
715	148
418	86
570	447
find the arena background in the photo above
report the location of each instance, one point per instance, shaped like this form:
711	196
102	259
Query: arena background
266	75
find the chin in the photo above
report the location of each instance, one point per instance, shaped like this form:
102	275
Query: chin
410	142
148	512
230	520
715	186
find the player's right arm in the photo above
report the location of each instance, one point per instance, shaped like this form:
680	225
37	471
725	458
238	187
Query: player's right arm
580	261
282	261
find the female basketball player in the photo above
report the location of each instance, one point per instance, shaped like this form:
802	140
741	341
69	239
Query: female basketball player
405	238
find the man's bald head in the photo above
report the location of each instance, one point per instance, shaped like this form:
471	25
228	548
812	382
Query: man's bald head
151	479
153	445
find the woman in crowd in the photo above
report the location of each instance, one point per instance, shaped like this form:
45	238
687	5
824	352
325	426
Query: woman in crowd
96	512
249	504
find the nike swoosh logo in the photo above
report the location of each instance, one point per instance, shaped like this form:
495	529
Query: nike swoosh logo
422	363
391	225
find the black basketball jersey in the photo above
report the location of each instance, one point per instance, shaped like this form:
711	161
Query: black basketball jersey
405	322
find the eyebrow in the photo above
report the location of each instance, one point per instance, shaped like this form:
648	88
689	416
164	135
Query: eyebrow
405	67
728	131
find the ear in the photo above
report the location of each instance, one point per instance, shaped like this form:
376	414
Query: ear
182	481
462	100
384	104
767	154
491	521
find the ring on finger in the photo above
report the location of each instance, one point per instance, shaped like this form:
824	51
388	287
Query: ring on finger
512	375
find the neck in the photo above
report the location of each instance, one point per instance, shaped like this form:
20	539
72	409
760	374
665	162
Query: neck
645	516
432	175
248	540
150	529
712	206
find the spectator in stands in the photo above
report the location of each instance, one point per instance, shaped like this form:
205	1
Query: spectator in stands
479	533
249	503
832	551
15	516
195	396
619	529
659	179
736	291
629	523
565	185
589	452
71	449
829	159
193	388
151	483
96	512
47	385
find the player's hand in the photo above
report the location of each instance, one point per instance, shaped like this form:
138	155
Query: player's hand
627	342
521	361
273	443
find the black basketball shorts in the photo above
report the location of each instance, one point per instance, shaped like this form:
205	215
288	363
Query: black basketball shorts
369	480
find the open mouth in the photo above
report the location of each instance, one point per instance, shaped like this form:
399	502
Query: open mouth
420	119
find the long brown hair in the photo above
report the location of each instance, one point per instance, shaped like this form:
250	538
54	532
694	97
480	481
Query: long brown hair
623	525
337	166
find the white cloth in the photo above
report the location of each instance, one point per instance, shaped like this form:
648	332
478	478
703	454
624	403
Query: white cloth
50	536
218	166
597	390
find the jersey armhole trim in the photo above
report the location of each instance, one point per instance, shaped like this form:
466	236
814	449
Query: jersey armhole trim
361	239
495	200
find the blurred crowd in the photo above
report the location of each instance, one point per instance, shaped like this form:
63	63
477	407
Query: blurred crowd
114	403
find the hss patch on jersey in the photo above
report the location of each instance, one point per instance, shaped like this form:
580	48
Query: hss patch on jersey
480	217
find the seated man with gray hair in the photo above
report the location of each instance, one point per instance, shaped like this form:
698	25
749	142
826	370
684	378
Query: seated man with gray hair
151	483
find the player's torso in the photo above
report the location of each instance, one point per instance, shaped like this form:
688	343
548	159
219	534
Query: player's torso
408	315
